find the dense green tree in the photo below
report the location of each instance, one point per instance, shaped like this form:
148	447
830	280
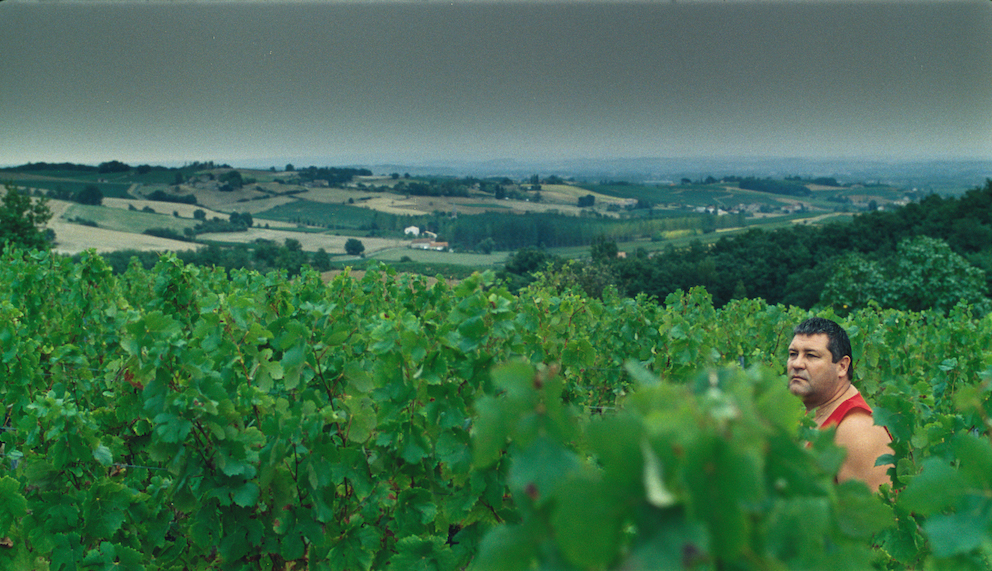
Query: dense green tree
855	282
242	219
354	247
265	254
162	196
231	180
522	266
603	250
804	287
61	193
321	261
113	166
486	245
527	260
928	274
291	257
91	195
22	220
923	273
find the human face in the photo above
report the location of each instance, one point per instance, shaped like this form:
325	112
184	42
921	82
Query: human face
813	376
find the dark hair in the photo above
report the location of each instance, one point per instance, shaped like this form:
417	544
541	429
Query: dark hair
838	343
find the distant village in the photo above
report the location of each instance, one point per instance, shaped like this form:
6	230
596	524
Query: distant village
428	242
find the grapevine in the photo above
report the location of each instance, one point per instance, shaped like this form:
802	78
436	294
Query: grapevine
187	418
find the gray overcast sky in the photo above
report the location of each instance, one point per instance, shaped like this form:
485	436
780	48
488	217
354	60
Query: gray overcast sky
373	82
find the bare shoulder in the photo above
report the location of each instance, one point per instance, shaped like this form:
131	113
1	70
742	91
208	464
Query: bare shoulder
859	427
864	442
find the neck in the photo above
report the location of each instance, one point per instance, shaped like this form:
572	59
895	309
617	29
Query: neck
846	391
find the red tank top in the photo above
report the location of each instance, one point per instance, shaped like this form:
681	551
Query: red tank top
853	403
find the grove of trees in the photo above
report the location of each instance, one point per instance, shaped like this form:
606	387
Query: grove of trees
354	247
91	195
930	253
22	221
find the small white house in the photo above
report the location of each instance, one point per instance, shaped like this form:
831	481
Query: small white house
412	230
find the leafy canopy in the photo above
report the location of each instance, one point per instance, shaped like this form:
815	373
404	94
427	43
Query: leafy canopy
22	220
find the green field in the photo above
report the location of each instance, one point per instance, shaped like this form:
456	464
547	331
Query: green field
130	220
322	214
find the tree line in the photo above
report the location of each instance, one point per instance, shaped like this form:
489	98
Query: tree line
113	166
262	256
333	176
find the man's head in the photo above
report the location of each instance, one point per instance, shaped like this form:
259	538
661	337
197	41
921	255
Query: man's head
838	343
820	364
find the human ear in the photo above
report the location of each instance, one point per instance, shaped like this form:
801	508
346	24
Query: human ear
843	366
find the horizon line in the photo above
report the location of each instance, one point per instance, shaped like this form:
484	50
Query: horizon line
392	161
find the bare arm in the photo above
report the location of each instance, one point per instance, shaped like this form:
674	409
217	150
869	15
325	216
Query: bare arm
864	442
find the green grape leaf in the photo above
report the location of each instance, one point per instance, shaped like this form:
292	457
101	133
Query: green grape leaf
292	547
489	432
644	377
797	526
12	504
102	455
422	554
587	523
937	487
292	365
860	513
507	548
976	460
961	531
360	382
453	450
616	441
362	418
413	451
68	552
355	551
668	541
724	481
246	495
172	428
538	470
